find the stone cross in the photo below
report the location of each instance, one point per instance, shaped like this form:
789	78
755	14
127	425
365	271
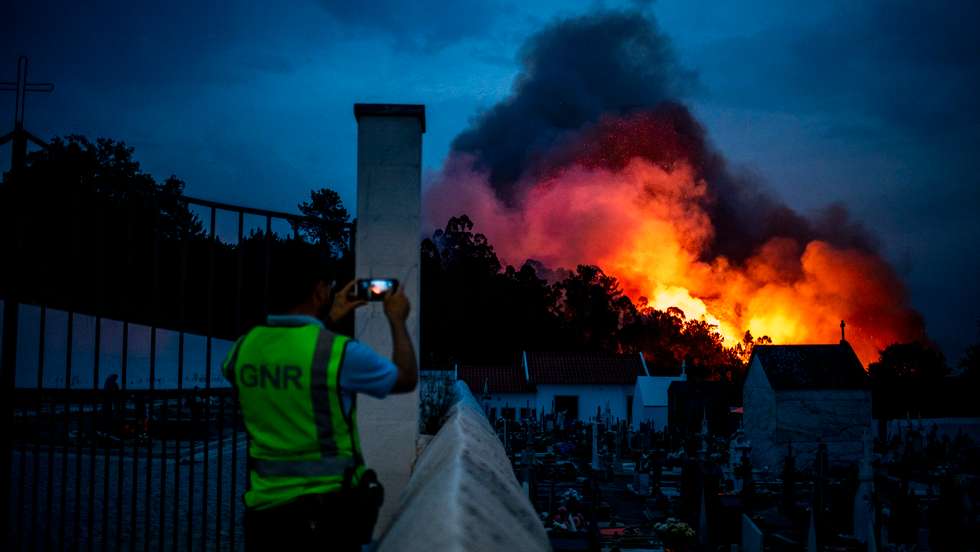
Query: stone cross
704	433
863	513
21	87
703	519
595	446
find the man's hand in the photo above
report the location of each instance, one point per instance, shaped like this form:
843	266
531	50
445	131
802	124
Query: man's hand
343	304
396	305
402	353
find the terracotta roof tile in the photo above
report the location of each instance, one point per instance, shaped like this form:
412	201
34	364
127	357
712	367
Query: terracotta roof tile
584	368
811	366
497	379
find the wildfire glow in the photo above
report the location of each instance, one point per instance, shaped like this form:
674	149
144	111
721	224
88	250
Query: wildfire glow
649	226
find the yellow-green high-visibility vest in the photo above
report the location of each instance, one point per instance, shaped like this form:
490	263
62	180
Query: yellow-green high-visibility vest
300	440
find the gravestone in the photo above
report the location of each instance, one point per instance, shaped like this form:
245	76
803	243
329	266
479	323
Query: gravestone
811	534
752	538
864	510
386	245
596	465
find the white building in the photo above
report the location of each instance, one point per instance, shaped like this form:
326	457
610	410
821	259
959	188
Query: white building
650	400
804	395
503	390
582	385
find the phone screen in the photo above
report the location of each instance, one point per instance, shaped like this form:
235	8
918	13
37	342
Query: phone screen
374	289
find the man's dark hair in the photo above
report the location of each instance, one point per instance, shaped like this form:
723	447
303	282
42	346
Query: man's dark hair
295	268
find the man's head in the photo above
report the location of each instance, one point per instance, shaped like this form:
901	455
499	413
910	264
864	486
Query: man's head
300	279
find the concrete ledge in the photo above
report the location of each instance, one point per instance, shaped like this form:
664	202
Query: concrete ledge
463	495
391	110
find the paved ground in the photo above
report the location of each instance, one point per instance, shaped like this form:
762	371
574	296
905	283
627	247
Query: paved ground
62	497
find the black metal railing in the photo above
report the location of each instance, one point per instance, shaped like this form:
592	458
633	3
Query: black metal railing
121	433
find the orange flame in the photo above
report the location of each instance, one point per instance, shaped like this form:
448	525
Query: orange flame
650	228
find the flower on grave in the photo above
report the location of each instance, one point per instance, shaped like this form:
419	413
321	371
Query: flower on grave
674	530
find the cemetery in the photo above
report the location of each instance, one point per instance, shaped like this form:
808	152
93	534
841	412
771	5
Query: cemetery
483	276
602	482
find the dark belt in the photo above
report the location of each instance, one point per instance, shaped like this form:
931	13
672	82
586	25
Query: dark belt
331	465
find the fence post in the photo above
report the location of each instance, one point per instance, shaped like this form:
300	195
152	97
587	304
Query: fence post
8	366
11	310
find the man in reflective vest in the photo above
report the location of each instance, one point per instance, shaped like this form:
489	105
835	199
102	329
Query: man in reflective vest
297	384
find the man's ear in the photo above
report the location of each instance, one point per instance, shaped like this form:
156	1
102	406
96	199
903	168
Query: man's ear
323	293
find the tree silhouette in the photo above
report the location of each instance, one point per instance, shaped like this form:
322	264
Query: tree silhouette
970	363
593	308
326	222
916	362
908	378
89	231
475	310
83	223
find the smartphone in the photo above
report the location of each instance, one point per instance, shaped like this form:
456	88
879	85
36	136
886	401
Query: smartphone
374	289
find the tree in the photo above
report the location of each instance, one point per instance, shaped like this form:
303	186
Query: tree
74	178
706	355
970	363
476	310
593	308
907	378
326	222
744	349
89	231
915	362
461	308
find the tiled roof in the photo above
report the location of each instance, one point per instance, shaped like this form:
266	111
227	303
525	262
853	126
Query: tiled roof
584	368
811	366
497	379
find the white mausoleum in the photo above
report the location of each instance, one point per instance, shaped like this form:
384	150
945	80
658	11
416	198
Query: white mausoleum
804	395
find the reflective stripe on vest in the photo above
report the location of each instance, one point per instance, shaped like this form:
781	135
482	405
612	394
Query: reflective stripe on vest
319	392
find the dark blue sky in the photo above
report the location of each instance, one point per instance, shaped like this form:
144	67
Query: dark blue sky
869	103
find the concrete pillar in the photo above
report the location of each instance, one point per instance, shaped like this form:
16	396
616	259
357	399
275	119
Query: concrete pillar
389	163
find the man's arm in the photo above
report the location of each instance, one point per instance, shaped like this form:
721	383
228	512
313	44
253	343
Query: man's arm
403	354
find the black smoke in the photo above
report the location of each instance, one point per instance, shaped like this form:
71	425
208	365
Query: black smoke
577	75
572	72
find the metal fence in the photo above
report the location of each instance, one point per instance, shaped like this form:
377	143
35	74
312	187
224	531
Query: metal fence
121	433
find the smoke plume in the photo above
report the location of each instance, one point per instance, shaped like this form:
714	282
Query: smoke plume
594	159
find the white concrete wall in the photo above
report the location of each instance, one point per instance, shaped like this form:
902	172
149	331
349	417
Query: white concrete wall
389	155
836	418
590	397
463	495
759	417
773	420
517	401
